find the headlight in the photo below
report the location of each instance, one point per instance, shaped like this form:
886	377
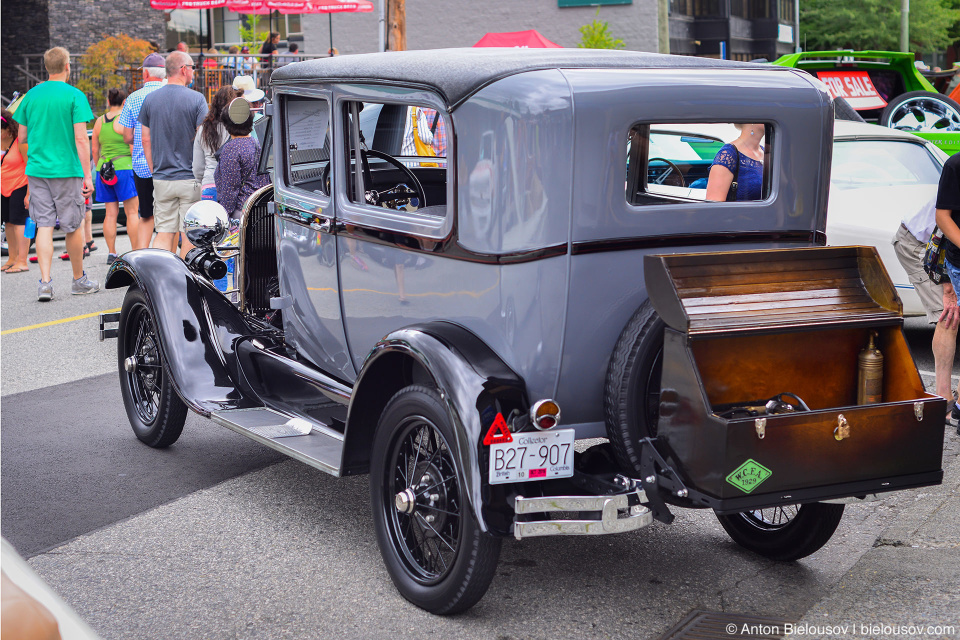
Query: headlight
206	224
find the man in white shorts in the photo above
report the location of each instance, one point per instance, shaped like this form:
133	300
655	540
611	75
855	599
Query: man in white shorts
170	117
939	300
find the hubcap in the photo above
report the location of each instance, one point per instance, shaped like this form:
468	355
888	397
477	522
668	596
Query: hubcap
130	364
925	113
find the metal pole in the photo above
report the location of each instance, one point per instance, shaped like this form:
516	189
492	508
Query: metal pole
383	22
796	24
904	25
330	23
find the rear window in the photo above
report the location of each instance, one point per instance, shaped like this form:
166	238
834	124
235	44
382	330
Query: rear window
861	164
674	163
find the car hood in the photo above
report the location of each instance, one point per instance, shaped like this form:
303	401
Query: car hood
874	212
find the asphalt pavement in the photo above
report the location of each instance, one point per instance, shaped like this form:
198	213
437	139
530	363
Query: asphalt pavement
214	538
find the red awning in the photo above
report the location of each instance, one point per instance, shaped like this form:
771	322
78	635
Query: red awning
524	39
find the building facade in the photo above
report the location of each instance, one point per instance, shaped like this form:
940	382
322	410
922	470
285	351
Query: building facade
733	29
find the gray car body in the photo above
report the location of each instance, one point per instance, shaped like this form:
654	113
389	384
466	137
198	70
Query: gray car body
542	261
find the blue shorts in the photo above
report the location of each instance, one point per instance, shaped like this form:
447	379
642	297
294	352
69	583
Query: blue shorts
954	274
124	189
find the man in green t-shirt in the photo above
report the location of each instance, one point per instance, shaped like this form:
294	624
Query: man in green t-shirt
53	120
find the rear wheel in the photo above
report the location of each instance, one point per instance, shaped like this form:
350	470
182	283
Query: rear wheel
922	111
784	533
430	541
154	409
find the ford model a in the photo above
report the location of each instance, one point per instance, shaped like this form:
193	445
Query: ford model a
458	245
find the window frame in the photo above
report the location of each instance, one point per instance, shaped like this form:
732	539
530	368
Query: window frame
633	194
286	194
368	216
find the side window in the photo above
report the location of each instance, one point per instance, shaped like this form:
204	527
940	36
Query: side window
307	139
676	163
396	157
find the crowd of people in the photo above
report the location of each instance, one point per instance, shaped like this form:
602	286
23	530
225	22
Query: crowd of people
157	150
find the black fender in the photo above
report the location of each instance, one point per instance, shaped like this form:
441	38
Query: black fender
197	327
475	385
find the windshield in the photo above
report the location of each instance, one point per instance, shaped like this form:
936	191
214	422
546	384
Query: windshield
858	164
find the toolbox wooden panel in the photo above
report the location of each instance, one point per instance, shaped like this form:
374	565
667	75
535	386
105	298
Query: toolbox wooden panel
746	326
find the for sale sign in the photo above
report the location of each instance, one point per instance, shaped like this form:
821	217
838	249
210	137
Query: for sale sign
855	86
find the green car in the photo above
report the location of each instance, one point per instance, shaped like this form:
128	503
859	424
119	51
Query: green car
885	88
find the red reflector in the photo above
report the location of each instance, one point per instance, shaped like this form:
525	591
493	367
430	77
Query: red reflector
538	473
547	422
498	432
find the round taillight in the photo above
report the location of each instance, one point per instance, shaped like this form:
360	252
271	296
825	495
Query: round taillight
545	414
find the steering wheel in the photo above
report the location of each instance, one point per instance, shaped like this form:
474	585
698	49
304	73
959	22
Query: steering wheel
672	173
399	191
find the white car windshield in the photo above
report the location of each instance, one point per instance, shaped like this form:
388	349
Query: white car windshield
859	164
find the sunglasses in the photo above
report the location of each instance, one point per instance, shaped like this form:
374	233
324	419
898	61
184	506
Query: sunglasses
188	66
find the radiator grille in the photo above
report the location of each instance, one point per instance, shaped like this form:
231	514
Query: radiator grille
259	254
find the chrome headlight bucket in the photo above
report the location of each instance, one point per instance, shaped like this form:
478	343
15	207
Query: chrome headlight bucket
206	224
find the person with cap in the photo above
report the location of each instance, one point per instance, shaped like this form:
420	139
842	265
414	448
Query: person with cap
114	179
129	123
170	117
250	92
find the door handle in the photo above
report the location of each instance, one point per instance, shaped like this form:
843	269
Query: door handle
326	225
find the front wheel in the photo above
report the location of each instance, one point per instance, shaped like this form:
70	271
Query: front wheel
784	533
154	409
431	544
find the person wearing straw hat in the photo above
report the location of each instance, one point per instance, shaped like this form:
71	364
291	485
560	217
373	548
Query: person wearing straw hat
250	92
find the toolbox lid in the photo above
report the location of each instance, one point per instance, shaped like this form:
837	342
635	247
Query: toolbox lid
771	290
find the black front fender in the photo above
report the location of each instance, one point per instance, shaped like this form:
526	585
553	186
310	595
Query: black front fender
197	327
475	385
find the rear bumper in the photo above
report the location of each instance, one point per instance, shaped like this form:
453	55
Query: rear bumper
588	515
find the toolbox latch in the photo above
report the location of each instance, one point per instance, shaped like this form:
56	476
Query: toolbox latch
843	428
918	411
761	425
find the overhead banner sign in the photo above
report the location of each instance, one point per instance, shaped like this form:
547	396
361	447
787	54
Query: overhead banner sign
855	86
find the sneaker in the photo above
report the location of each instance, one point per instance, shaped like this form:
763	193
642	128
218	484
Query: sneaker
65	255
83	285
33	259
111	258
45	291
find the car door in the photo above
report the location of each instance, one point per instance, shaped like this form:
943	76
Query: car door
306	242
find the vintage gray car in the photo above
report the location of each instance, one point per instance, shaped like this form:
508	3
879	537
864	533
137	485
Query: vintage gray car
458	244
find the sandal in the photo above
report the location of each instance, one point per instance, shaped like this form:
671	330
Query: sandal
17	270
5	267
91	247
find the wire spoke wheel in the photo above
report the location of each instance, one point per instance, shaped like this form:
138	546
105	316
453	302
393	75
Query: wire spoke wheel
427	533
775	518
154	409
788	532
429	538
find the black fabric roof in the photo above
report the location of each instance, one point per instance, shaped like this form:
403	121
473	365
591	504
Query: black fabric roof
457	73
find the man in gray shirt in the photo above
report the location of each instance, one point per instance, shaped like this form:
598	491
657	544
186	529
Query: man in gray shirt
170	117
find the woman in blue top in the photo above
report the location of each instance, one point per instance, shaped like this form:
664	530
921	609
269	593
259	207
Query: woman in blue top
746	152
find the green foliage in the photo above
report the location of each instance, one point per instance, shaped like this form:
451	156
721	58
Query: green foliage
103	64
251	33
875	24
596	36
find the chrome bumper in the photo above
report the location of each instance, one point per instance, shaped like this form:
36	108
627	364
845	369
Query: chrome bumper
615	515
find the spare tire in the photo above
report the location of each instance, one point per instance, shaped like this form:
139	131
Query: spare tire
631	398
922	111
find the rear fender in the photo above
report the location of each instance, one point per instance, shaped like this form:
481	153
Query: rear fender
197	327
475	385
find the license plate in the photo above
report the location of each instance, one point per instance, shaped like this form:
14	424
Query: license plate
537	455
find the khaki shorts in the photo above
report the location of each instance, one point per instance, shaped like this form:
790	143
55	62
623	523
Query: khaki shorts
909	252
52	198
171	199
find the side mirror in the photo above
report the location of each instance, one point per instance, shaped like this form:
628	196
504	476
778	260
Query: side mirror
206	224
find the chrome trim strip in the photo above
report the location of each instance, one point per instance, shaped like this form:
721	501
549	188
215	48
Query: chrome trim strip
241	241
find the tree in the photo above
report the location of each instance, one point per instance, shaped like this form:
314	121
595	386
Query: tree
596	36
250	32
874	24
103	62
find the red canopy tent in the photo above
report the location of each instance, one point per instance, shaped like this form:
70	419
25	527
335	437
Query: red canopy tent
531	39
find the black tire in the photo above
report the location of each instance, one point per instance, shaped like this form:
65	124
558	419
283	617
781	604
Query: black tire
784	533
631	399
154	409
843	111
442	578
922	111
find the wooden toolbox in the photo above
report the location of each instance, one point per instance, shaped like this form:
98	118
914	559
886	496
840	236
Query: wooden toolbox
747	326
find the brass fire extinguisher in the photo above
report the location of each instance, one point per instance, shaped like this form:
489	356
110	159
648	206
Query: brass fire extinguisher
870	373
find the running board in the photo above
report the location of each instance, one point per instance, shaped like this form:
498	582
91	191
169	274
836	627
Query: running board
312	443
